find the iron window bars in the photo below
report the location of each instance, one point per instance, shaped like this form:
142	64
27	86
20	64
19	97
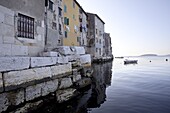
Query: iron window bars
25	26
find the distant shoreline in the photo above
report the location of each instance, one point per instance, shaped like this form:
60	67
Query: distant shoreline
149	55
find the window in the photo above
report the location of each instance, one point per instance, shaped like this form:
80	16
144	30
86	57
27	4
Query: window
59	27
73	4
54	25
66	21
97	41
96	50
65	34
78	39
74	17
83	41
50	5
25	26
80	19
96	31
100	52
65	8
80	11
87	25
81	28
59	11
59	41
100	41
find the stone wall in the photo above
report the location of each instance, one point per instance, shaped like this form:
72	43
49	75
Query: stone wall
10	43
24	79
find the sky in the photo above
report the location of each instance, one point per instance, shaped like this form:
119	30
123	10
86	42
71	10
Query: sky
136	26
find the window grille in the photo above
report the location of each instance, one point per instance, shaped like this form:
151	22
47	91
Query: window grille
25	26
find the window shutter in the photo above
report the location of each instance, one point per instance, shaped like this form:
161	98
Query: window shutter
67	21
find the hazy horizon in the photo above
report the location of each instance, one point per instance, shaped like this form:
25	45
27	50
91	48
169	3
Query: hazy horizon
136	26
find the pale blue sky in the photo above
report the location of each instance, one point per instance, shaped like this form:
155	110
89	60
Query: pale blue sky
136	26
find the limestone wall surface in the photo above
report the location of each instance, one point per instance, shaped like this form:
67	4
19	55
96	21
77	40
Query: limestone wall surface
23	79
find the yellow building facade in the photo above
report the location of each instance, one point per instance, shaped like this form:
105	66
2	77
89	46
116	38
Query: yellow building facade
71	23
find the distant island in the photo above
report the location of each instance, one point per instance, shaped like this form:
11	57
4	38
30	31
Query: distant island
149	55
120	57
167	55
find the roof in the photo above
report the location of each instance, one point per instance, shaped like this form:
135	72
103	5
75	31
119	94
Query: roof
80	7
97	17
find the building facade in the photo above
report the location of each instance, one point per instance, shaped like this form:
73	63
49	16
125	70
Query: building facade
54	24
83	27
22	23
95	35
75	24
107	45
31	26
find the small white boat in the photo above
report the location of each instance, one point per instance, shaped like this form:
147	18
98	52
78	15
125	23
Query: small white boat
127	61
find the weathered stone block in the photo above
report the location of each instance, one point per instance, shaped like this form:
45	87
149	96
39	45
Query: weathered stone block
18	50
83	83
85	59
9	19
65	50
65	95
8	40
71	50
17	78
50	86
75	71
73	57
61	69
16	97
41	73
1	83
62	60
80	50
49	54
43	61
7	30
5	49
76	78
14	63
33	92
4	103
28	107
34	50
65	83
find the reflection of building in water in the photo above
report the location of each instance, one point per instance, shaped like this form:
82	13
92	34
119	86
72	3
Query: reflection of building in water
101	78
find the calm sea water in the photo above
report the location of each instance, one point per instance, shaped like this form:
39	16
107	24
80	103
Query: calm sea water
119	88
140	88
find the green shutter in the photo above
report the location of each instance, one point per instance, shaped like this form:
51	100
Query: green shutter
65	8
67	21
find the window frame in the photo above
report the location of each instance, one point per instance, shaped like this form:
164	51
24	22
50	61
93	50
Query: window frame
74	4
59	11
25	26
65	8
51	5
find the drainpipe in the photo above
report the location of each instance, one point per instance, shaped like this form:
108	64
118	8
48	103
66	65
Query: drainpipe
46	24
